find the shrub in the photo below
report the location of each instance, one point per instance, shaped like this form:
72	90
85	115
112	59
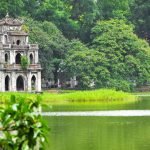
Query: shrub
120	85
21	127
24	62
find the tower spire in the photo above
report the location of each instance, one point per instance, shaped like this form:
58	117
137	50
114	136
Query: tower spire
7	15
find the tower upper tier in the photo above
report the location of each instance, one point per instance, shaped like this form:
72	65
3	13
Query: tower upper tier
11	31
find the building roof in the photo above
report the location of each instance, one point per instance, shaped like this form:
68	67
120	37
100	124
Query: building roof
14	33
10	21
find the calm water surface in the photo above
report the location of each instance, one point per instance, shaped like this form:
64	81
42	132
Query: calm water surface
101	133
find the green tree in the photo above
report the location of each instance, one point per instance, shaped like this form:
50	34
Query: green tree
114	9
128	56
86	64
30	7
58	12
13	7
52	46
84	12
140	18
117	58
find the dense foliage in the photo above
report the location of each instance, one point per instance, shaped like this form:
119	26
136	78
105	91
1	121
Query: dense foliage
127	56
108	52
52	46
141	19
20	127
117	57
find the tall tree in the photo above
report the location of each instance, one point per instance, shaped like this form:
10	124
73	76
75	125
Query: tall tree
30	7
141	19
114	9
84	12
86	64
128	56
117	58
13	7
58	11
52	46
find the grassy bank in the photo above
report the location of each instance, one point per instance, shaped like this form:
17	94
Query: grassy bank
95	96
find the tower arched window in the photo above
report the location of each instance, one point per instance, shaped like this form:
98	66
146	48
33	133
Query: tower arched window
18	42
6	58
5	38
18	58
31	59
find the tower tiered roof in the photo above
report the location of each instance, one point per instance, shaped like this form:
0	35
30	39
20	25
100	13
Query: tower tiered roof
11	21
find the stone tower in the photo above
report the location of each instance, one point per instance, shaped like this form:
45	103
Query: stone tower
13	45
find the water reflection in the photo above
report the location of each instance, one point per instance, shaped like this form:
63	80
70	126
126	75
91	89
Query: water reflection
99	133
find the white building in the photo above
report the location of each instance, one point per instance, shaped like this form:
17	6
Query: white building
13	45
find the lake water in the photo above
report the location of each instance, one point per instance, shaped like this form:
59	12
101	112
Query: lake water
101	133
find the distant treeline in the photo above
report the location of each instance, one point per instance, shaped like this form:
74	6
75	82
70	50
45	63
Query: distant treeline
98	41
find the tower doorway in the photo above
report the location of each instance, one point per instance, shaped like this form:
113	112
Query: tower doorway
20	84
33	82
7	83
